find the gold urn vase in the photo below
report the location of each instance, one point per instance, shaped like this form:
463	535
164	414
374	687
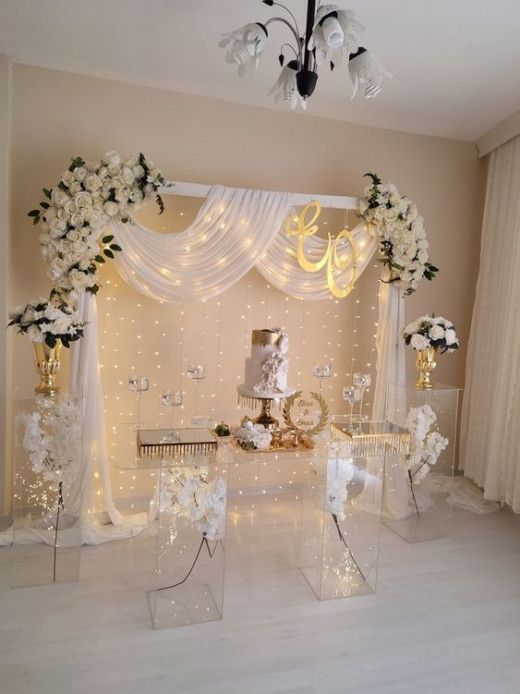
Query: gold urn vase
47	364
425	364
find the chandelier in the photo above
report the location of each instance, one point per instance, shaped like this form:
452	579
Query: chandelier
331	35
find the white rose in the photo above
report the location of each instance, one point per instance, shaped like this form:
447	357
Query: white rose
451	337
436	332
419	342
423	255
75	188
136	196
138	171
127	175
67	178
77	220
95	218
74	235
131	161
78	279
92	182
57	226
60	326
79	173
83	199
70	207
103	173
59	197
112	157
35	334
49	214
111	208
52	313
114	169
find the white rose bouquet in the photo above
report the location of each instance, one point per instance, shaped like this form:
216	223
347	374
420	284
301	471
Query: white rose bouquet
431	331
48	321
75	211
400	228
253	436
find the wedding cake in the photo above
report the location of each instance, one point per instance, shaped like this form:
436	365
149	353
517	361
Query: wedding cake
268	366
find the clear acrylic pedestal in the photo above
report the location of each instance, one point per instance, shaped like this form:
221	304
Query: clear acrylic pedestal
47	460
341	522
417	511
190	542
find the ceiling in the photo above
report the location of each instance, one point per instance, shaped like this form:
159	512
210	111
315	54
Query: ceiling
455	62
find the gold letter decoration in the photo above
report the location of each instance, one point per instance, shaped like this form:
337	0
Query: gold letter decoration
305	226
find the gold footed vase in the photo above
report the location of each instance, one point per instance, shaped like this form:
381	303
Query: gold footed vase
48	360
425	363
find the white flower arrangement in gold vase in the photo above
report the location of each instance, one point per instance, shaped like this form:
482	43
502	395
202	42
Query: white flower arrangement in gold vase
427	335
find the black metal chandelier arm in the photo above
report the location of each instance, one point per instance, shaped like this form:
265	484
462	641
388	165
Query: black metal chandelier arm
293	30
288	45
271	3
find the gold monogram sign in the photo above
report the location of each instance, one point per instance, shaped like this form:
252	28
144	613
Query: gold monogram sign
304	226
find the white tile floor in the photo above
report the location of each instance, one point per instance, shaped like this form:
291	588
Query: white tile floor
445	618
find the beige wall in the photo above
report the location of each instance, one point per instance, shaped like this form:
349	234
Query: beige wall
57	115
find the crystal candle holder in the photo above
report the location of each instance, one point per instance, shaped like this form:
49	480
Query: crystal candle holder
138	384
322	371
196	373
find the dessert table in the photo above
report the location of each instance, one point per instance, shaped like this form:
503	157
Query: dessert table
207	493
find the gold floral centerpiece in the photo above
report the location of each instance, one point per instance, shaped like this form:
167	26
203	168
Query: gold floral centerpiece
429	335
50	324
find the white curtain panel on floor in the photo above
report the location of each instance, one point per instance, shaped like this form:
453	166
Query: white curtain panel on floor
234	231
490	427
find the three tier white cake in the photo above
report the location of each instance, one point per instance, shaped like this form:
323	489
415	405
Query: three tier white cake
268	367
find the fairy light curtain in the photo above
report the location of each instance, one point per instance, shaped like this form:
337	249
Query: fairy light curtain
234	231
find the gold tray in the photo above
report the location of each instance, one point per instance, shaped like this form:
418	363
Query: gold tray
154	442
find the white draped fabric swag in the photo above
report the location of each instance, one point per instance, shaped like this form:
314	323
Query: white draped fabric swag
490	424
234	231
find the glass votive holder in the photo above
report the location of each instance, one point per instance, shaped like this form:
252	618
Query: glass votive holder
138	384
196	373
322	371
172	398
362	380
350	394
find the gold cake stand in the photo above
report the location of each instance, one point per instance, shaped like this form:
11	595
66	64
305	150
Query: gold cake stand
265	417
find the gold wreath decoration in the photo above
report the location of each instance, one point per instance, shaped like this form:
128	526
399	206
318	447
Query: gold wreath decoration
324	413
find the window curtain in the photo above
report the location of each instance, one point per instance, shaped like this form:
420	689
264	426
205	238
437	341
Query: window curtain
490	426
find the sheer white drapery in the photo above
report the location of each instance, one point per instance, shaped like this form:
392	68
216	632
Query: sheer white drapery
490	431
235	230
